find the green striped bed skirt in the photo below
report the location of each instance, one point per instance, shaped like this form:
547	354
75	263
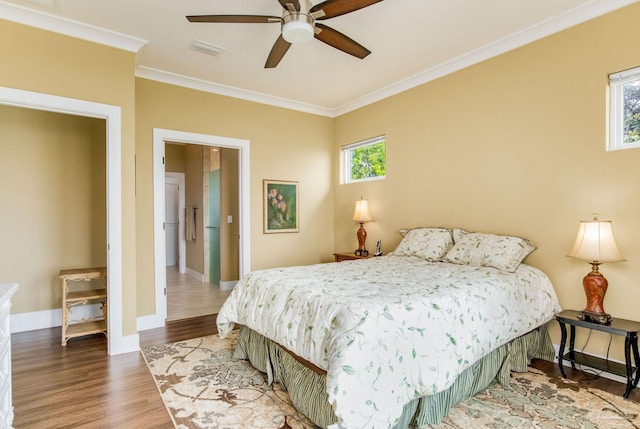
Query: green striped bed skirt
306	383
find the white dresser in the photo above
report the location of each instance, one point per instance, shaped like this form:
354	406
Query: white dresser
6	406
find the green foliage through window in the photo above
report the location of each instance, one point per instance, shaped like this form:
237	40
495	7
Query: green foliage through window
624	109
631	91
366	160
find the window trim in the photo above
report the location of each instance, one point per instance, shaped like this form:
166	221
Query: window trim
615	130
346	160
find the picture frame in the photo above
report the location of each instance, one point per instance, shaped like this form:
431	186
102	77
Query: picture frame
280	206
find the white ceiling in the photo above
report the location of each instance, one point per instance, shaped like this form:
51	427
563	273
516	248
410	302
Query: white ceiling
412	42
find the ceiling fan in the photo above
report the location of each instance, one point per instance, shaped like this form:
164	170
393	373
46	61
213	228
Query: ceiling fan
298	25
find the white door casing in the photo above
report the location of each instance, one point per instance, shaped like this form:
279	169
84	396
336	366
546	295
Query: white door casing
160	136
117	343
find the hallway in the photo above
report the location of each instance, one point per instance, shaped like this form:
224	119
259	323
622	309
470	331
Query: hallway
187	297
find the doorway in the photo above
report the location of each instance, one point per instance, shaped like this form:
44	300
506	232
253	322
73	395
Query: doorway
175	220
117	343
160	138
198	183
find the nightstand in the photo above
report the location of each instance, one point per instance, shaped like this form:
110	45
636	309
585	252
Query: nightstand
350	256
626	328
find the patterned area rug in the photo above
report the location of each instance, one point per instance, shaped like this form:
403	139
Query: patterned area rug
203	387
533	400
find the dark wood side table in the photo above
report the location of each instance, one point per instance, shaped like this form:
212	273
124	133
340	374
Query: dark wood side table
626	328
349	256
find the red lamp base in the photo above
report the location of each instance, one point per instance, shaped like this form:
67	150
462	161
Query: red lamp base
595	287
362	236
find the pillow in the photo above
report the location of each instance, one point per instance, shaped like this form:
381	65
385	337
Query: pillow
488	250
431	244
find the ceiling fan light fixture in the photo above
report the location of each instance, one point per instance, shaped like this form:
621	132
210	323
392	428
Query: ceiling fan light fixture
297	28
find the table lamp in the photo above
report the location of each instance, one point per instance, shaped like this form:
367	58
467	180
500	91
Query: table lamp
361	214
595	243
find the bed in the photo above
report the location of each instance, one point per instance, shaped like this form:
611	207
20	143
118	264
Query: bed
395	340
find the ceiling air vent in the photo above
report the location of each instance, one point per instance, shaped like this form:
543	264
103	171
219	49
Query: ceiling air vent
206	48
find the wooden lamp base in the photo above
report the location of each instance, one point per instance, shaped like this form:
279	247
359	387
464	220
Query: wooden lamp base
362	236
595	287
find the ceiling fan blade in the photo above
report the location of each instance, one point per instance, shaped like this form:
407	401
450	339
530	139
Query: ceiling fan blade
277	52
295	3
235	19
339	41
332	8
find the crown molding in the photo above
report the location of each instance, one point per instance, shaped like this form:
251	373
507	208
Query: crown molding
68	27
546	28
229	91
102	36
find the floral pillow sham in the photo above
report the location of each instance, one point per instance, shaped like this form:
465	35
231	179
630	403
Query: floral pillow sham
431	244
488	250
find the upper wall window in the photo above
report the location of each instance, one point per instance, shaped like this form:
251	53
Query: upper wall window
365	160
624	109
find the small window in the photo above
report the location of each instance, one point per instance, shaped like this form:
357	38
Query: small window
624	109
365	160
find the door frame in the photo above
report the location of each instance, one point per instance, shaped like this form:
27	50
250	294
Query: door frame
182	242
160	137
112	115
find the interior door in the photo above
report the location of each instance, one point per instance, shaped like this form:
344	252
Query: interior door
172	224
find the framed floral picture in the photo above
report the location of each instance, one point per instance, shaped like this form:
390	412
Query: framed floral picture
280	206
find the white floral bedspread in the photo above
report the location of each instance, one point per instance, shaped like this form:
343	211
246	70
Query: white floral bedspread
389	329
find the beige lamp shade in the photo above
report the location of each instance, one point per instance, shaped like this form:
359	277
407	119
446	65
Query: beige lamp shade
361	213
595	242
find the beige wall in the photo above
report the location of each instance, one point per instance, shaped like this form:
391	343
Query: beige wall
174	158
514	145
53	194
40	61
284	145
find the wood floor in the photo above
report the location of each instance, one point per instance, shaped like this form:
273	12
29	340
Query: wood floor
80	386
188	297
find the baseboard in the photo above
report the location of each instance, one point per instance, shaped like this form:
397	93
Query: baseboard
228	285
23	322
601	373
195	274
